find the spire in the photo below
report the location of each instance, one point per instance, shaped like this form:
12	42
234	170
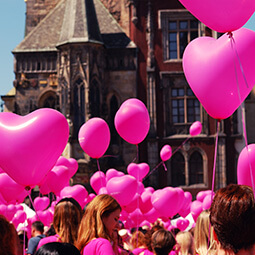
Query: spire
80	23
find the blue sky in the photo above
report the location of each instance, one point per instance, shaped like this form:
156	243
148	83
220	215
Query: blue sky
12	27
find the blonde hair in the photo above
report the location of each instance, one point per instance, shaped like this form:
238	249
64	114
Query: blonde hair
185	241
91	224
66	220
203	246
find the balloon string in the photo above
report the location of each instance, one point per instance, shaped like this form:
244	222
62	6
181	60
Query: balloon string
213	179
162	162
98	167
33	205
180	146
237	56
242	107
24	242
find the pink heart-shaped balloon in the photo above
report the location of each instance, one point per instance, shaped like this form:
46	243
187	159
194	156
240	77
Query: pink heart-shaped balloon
78	192
45	217
70	163
41	203
139	171
167	196
37	140
213	70
122	188
110	173
97	181
182	224
221	16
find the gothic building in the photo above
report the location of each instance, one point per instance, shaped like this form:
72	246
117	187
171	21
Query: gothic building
85	57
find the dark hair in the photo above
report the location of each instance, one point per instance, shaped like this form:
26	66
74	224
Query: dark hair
56	248
72	200
163	242
38	225
148	234
232	215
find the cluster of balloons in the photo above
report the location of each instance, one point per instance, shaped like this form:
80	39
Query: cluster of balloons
220	71
30	156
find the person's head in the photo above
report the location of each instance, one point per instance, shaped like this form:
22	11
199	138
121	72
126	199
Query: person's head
232	215
149	233
37	228
8	237
202	232
185	241
56	248
66	219
99	220
162	242
137	239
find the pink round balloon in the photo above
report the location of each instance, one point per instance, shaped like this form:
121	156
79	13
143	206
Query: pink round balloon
132	121
246	166
122	188
97	181
28	138
94	137
221	16
214	74
166	152
195	128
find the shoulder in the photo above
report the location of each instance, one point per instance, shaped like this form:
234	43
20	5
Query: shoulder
99	246
48	239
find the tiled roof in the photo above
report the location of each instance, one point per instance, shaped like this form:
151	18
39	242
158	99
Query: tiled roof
75	21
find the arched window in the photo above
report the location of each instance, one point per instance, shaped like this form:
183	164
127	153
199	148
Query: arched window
196	173
79	105
94	99
49	100
177	170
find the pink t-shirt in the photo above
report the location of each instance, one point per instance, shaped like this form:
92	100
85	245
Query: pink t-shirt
98	246
48	239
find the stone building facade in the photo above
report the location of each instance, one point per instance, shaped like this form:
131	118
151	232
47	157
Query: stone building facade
86	57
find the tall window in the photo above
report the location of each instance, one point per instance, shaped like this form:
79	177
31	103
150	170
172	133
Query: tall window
179	27
196	174
177	170
187	170
180	33
79	105
185	107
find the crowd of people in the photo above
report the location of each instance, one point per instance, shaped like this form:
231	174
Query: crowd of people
227	228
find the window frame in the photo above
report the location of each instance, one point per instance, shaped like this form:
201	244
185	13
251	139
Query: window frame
165	16
187	153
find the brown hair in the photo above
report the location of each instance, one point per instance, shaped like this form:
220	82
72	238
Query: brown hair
8	237
91	224
162	241
66	220
137	239
149	233
232	215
